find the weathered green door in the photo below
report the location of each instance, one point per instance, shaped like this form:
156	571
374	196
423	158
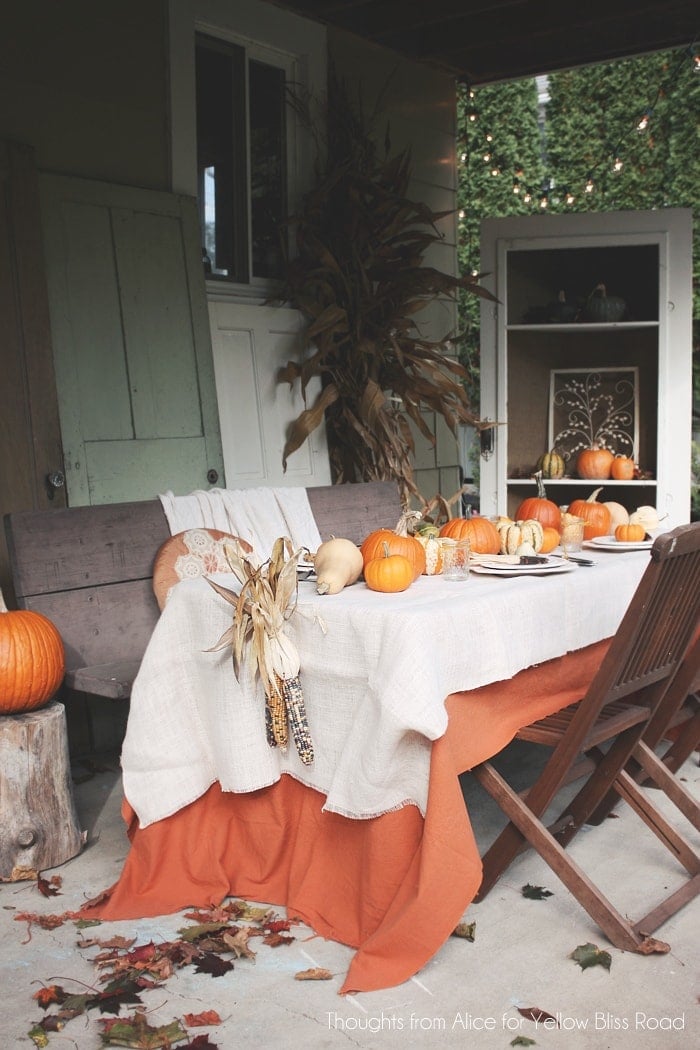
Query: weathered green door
132	349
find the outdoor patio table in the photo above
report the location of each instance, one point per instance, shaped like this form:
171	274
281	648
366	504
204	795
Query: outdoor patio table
372	844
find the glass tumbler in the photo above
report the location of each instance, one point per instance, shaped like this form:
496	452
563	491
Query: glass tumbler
572	535
455	559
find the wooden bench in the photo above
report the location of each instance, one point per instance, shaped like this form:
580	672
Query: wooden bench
90	569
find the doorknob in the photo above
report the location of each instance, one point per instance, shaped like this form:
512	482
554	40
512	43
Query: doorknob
55	479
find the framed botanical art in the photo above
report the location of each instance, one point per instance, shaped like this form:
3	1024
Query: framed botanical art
597	407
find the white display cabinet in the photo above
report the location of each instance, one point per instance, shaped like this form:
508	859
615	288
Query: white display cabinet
552	371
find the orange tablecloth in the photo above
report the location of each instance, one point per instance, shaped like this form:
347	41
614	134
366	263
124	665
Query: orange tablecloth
393	887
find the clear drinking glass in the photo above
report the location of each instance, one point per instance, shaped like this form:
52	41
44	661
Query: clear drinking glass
455	560
572	535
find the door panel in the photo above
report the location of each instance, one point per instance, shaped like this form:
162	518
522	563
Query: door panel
131	342
250	345
30	439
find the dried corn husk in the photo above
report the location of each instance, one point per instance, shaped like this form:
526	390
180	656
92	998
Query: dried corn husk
266	600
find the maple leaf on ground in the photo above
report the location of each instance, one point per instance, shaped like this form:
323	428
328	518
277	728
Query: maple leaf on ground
137	1033
201	1042
199	1020
115	995
113	942
533	1013
535	893
49	887
522	1040
465	930
238	942
317	973
275	939
51	994
587	955
650	946
212	964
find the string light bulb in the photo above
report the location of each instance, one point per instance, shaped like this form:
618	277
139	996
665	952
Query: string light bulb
643	122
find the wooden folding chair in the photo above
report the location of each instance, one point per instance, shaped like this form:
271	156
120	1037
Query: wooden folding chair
622	699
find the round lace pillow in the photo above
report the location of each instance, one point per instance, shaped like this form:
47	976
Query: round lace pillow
187	555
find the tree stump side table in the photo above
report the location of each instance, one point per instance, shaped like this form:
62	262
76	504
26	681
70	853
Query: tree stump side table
39	826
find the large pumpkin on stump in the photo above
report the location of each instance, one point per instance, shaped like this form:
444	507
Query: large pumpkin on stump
32	660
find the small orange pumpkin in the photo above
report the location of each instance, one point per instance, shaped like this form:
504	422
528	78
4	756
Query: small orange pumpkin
594	463
629	533
389	573
32	660
482	534
540	508
407	546
622	468
550	539
595	515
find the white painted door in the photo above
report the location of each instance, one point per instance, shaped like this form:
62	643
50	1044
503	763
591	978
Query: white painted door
250	344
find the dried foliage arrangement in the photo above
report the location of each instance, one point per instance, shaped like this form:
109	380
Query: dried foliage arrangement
261	610
359	277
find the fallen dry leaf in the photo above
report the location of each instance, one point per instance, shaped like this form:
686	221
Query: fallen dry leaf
317	973
199	1020
533	1013
587	955
466	930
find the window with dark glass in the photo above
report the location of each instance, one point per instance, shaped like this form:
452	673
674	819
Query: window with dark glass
241	161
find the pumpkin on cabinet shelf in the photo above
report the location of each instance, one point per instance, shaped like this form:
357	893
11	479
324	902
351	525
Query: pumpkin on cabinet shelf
602	308
539	507
32	660
622	468
551	464
596	516
482	534
389	573
594	463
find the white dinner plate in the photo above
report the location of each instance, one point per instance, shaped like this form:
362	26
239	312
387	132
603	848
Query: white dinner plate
494	567
609	543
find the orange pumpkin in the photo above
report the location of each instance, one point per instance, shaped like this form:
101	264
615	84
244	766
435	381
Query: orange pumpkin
389	573
550	539
482	534
407	546
540	508
32	660
594	463
595	515
629	533
622	468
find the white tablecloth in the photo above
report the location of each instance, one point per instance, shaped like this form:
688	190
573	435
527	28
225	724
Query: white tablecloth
375	681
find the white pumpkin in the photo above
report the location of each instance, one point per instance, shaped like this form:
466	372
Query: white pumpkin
646	516
619	515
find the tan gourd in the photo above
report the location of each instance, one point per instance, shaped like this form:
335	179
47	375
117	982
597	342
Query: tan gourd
646	516
338	563
619	515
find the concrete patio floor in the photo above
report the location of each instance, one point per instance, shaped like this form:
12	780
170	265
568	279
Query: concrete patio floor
467	995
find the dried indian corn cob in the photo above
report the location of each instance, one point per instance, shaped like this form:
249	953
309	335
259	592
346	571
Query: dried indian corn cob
276	709
296	715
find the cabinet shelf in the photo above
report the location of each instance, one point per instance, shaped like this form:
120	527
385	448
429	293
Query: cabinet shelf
589	482
583	327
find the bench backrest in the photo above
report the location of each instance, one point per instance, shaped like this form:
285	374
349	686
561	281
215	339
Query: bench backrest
90	569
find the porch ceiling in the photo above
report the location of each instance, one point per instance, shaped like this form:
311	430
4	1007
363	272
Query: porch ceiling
482	41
